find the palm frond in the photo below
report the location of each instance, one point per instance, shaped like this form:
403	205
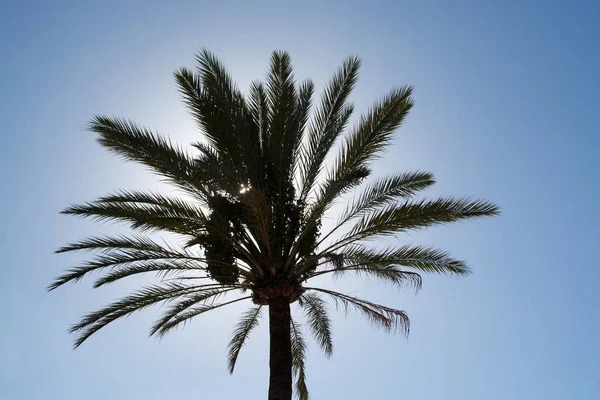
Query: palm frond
298	356
390	274
135	143
330	119
145	211
122	250
183	207
284	137
185	316
386	318
211	292
228	124
215	113
160	266
216	80
386	190
249	320
318	321
373	133
139	216
108	243
258	104
144	298
191	90
305	93
421	258
381	192
365	142
227	121
163	268
394	219
154	212
384	263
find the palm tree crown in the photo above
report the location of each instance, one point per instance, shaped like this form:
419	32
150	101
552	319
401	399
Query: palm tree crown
257	189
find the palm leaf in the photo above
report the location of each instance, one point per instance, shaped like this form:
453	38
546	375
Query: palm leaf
425	259
394	219
258	105
139	216
386	190
191	90
330	119
298	356
144	211
250	320
371	136
184	317
227	121
107	243
390	274
373	133
210	292
318	321
161	267
305	93
144	298
282	98
389	319
135	143
123	250
381	192
183	207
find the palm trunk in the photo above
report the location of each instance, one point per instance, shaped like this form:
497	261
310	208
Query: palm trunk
280	359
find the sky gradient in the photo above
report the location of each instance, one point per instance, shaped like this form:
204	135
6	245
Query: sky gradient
506	109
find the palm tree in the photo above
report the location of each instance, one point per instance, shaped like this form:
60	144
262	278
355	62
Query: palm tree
256	190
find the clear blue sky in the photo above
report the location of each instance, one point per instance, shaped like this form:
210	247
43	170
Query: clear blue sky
506	108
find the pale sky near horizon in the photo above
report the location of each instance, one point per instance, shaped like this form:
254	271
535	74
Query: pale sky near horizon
506	109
